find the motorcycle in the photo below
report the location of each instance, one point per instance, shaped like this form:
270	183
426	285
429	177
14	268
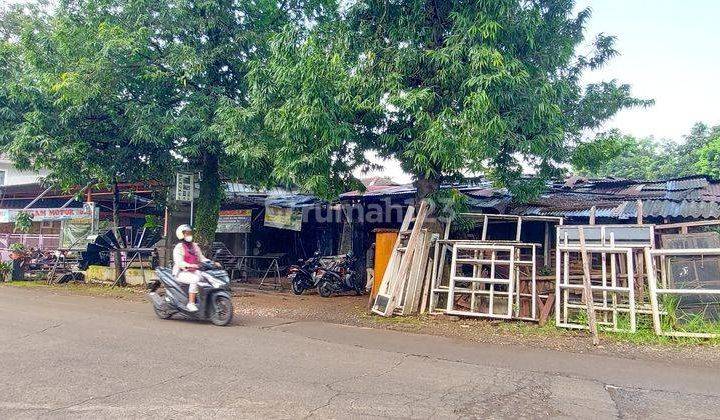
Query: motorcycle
338	277
303	276
213	299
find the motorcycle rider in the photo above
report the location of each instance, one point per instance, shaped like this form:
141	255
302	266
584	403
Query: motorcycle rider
187	257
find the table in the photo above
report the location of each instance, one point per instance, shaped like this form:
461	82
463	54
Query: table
273	267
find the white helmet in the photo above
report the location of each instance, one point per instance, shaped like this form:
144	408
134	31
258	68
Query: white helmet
180	231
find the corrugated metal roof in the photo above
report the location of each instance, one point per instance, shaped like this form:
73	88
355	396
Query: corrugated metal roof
672	209
712	191
688	198
543	211
683	195
655	186
687	184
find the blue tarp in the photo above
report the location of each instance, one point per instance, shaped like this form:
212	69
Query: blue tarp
293	201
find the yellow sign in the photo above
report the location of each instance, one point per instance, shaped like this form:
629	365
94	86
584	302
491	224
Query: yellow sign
283	218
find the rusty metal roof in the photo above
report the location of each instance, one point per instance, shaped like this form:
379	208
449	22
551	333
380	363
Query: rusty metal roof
695	197
688	198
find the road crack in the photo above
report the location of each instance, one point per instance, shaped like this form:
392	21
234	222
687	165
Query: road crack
44	330
331	386
125	391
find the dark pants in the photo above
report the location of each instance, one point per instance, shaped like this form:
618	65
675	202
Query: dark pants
18	273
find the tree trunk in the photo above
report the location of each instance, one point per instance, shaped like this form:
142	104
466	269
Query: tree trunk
425	187
117	255
207	207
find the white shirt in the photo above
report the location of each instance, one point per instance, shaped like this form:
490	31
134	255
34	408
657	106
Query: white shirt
179	257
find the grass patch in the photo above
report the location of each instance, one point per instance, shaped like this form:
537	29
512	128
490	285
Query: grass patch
85	289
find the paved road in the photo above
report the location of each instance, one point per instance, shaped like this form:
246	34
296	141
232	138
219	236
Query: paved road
71	356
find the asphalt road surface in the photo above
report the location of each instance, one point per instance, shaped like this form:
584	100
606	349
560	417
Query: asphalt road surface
82	357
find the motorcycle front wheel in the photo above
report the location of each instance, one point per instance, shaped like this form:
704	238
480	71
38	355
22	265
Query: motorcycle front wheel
222	311
297	288
325	289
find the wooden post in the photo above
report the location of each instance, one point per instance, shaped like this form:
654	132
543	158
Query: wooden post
546	246
652	284
589	301
593	210
639	212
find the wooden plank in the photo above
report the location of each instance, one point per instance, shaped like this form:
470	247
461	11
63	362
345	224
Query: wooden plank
412	287
652	285
422	274
589	301
387	299
429	279
394	257
406	261
547	307
687	224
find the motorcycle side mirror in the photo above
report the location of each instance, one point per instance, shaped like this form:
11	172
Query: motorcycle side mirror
317	253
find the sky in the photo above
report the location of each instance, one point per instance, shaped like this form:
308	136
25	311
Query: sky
669	51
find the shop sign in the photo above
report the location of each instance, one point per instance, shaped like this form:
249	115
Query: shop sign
283	218
184	187
50	214
234	221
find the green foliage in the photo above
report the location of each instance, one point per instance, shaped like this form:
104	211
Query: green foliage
130	89
613	154
68	96
446	87
23	222
151	222
5	270
708	156
17	247
591	156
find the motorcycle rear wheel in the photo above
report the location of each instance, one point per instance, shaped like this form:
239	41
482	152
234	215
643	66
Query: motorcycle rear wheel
325	288
162	313
222	311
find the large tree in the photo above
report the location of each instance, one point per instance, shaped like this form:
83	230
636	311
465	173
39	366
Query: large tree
68	88
130	88
446	87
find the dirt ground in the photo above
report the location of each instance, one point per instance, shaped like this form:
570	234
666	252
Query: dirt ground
253	302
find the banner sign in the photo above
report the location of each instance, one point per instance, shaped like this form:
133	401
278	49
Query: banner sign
75	233
50	214
184	187
283	218
234	221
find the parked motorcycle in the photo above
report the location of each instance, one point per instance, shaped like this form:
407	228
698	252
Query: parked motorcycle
338	277
303	276
213	299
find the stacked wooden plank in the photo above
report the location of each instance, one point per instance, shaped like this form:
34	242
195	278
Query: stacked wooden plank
407	273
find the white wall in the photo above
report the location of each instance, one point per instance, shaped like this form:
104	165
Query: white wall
14	177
